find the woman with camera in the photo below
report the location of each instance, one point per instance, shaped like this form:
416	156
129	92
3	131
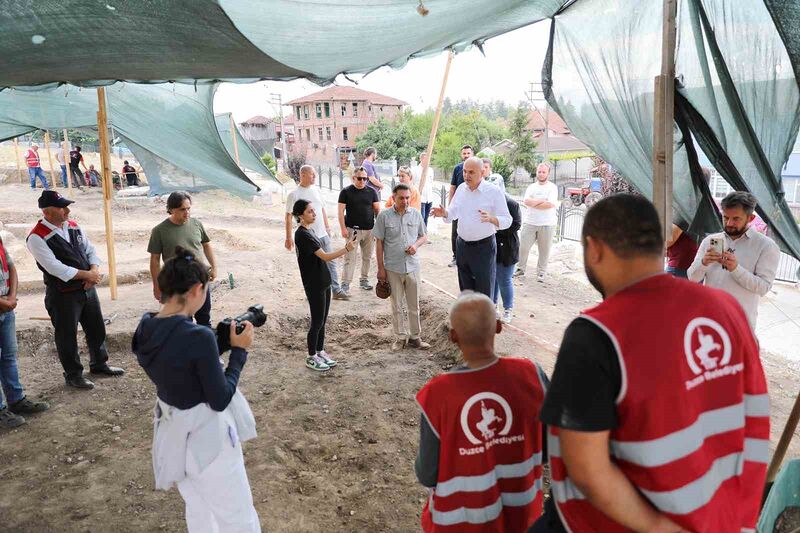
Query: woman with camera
200	417
316	277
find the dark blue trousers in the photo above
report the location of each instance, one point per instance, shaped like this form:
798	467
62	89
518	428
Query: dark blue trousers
477	262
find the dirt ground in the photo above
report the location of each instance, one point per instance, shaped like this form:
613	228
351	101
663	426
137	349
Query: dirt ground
335	451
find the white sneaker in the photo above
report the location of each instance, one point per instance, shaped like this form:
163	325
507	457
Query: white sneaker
507	314
315	362
327	360
540	277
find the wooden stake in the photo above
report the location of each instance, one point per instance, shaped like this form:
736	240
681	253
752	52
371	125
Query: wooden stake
108	188
235	141
435	126
16	158
664	119
783	443
50	159
65	149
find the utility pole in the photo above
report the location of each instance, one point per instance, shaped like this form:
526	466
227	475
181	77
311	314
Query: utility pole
276	99
535	95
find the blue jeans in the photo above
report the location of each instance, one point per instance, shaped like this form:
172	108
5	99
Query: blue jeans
504	285
64	175
327	248
37	171
426	211
9	377
677	272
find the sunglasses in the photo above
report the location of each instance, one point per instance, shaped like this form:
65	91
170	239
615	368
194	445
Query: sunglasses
361	179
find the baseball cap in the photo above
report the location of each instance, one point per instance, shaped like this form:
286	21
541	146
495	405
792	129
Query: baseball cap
53	199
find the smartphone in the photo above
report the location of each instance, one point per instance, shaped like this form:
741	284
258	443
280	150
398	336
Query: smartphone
355	232
716	244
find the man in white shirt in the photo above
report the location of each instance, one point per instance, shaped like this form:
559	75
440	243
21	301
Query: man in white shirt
426	193
492	177
539	221
744	261
307	190
71	270
481	210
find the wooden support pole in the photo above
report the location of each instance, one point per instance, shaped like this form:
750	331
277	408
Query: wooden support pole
435	126
783	443
108	188
16	158
664	119
50	159
235	141
65	150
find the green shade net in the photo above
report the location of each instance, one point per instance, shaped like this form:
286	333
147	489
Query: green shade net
731	99
248	158
90	42
170	128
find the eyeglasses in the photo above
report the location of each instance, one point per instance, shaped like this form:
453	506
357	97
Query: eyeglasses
361	179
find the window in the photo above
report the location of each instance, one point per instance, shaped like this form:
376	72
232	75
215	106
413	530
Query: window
327	109
344	110
791	187
308	134
297	111
355	109
328	133
300	134
319	110
344	132
319	130
370	109
305	112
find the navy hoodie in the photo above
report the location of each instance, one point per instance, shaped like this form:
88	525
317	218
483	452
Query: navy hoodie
182	359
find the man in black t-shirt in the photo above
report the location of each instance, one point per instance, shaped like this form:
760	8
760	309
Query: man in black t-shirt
358	207
75	160
456	180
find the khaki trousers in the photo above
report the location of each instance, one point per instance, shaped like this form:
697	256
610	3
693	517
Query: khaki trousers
364	241
543	237
405	299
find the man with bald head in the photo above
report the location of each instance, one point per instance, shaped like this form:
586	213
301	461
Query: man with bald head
71	271
481	445
481	210
539	222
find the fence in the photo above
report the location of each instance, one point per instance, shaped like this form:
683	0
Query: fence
337	179
570	225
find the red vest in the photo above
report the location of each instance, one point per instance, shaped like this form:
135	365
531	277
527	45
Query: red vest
693	410
4	265
490	448
32	158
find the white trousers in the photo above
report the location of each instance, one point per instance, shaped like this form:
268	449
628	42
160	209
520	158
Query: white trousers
218	499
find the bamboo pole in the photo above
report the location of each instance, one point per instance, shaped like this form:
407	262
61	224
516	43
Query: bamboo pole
664	119
50	159
429	152
16	158
783	443
65	149
108	188
235	141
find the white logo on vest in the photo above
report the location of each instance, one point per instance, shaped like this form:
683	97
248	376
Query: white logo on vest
490	415
708	351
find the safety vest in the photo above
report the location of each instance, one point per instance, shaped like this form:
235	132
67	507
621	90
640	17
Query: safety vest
693	409
71	253
32	158
490	448
4	265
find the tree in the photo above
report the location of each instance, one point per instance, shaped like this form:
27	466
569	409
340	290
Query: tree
392	140
270	162
522	153
295	162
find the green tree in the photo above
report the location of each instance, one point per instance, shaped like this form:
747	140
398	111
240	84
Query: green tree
522	153
270	162
392	140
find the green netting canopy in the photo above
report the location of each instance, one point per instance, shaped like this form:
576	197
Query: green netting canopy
248	158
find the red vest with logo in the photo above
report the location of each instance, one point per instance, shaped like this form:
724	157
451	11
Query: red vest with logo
4	265
71	253
490	448
32	158
693	409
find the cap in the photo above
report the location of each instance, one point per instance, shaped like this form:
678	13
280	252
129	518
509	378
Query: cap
53	199
383	290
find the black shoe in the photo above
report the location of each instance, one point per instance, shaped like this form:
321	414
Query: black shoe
9	420
79	382
26	406
107	371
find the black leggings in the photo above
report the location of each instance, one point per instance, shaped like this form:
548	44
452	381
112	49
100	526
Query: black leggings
320	303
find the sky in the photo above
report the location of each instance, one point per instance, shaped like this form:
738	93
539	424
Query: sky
511	62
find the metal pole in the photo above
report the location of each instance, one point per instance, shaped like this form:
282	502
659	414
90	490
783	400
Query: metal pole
435	126
66	159
108	187
664	119
546	130
50	159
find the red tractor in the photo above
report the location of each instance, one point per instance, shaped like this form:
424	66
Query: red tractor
590	191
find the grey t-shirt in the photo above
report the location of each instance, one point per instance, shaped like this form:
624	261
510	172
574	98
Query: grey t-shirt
398	232
167	235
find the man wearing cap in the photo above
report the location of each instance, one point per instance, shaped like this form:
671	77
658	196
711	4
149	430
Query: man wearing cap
399	232
35	166
70	266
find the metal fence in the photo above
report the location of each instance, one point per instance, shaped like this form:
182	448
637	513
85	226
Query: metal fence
570	225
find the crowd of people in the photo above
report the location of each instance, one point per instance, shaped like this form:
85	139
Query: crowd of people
655	418
70	164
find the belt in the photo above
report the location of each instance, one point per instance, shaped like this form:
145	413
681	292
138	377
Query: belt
482	241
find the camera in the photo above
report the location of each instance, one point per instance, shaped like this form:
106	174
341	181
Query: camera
255	315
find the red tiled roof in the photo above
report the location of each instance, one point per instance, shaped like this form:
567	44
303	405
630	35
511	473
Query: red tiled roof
348	94
554	122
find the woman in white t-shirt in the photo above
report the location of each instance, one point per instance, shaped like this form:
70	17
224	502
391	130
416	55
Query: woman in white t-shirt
426	195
